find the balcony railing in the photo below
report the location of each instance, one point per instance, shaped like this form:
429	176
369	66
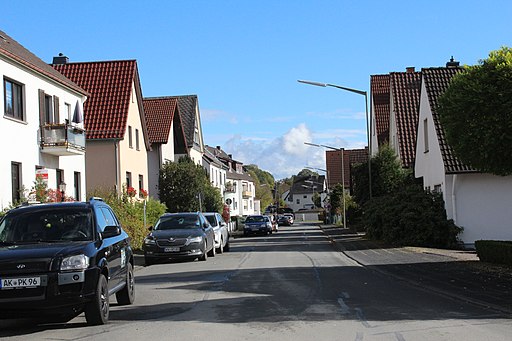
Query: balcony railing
230	189
246	194
61	139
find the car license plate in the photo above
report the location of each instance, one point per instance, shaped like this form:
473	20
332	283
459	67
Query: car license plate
25	282
172	249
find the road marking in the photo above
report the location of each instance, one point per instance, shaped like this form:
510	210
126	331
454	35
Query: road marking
399	336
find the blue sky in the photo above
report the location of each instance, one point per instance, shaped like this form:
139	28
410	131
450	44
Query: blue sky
243	59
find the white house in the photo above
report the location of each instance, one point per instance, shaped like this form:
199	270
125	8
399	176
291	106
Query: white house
188	107
166	136
215	168
478	202
300	196
42	126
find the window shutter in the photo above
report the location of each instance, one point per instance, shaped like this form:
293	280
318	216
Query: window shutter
41	107
56	110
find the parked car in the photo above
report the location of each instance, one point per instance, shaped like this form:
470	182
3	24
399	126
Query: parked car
257	224
220	229
186	235
59	259
283	220
290	217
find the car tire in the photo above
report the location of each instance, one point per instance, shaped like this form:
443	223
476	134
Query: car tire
126	295
211	253
97	311
149	260
226	247
220	250
204	256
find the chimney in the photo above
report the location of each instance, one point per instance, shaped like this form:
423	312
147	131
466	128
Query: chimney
409	69
230	156
61	59
218	147
452	63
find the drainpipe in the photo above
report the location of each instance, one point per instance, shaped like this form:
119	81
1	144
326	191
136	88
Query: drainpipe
454	201
116	160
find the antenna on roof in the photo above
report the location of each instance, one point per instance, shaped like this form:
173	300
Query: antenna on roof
452	63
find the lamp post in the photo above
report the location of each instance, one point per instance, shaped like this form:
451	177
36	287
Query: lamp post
368	123
62	189
342	175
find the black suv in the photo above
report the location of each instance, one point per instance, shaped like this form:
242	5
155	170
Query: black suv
59	259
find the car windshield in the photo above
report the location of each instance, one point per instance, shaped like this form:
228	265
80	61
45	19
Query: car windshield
178	222
211	219
255	219
47	225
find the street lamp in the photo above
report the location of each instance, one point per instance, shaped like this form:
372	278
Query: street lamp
368	123
342	175
62	189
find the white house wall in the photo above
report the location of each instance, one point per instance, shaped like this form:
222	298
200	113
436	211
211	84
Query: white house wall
482	203
20	139
374	142
428	165
154	165
167	152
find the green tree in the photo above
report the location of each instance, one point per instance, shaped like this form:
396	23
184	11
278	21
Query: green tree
184	186
388	176
476	113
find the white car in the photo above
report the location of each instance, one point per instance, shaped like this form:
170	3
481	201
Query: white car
220	229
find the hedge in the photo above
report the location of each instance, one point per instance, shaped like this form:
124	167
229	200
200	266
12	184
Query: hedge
494	251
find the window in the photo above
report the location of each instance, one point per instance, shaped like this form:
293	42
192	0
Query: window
141	185
13	99
77	186
130	142
437	188
16	181
48	108
128	179
196	135
425	135
298	201
137	139
68	112
59	177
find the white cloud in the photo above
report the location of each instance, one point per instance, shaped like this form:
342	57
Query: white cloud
214	115
282	156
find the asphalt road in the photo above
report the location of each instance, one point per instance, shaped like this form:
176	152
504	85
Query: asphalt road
293	285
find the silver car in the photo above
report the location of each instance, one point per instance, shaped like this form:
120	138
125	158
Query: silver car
220	229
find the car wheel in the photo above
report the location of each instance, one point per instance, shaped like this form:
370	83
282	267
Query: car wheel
97	311
204	256
220	250
149	260
212	251
127	294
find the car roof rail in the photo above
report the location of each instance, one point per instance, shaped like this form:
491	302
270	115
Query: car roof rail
96	199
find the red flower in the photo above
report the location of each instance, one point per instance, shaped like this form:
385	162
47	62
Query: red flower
130	191
143	193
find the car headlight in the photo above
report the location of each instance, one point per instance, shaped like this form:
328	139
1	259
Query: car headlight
149	240
78	262
197	239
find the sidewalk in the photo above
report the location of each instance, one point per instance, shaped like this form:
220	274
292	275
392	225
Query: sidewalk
457	274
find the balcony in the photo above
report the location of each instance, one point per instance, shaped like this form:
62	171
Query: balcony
61	139
246	194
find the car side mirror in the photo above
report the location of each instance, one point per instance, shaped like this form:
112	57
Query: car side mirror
111	231
150	228
223	223
205	226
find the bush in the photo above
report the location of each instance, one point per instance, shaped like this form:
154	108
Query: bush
131	213
494	251
410	217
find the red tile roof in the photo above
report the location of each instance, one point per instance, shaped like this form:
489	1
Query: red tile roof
405	91
436	82
110	86
10	48
159	112
379	85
